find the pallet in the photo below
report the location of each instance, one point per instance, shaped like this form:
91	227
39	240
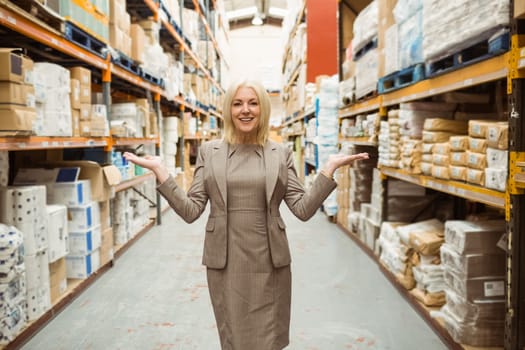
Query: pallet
81	38
480	51
367	96
43	13
151	78
369	46
127	63
401	78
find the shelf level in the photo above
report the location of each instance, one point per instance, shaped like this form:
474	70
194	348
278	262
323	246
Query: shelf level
482	72
459	189
48	142
362	141
360	107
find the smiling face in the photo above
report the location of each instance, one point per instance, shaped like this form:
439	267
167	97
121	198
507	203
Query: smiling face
245	114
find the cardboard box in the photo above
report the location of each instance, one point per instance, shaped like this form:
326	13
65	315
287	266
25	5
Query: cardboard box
138	41
84	242
85	111
83	217
12	93
82	266
75	119
102	177
15	66
74	94
69	193
57	231
16	118
57	279
83	75
106	246
85	93
105	215
519	9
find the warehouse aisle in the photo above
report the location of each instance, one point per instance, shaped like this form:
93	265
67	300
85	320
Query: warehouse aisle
156	298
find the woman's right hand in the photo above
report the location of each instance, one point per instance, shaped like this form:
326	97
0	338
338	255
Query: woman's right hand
153	163
148	162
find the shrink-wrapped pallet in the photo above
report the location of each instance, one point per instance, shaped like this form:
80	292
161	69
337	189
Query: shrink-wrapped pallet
453	26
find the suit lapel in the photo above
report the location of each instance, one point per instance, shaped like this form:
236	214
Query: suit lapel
271	164
219	161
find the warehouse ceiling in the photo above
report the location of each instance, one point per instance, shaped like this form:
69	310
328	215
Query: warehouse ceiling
242	13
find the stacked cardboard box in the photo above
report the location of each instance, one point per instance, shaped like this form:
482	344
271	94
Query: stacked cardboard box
475	266
17	94
119	27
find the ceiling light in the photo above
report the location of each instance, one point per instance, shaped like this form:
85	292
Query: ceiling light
257	20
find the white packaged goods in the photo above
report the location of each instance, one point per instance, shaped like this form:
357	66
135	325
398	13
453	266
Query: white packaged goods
170	123
496	179
391	50
365	26
134	115
409	20
497	159
4	168
366	73
453	26
52	87
57	231
37	270
12	321
38	301
81	267
24	208
70	193
83	217
84	242
11	253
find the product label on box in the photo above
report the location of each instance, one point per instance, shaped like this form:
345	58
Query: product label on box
494	288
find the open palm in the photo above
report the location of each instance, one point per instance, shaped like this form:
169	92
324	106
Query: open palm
148	162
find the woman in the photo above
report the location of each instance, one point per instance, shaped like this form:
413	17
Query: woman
246	177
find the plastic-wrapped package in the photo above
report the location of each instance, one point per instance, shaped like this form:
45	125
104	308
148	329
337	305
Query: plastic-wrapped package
475	310
428	226
405	9
477	334
483	288
457	172
365	26
496	179
473	264
366	73
454	25
410	40
497	159
475	236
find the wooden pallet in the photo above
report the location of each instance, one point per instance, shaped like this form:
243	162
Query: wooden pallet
127	63
480	51
401	78
41	12
78	36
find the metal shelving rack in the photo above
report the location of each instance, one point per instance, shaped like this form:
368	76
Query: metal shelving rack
37	34
509	66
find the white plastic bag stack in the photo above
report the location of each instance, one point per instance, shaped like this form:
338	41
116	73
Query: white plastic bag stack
12	284
451	26
328	130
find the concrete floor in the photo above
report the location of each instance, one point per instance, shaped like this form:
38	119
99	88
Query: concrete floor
156	297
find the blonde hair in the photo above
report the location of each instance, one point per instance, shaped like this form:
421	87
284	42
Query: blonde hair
263	128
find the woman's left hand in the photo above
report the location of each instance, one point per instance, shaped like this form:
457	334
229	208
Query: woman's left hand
338	160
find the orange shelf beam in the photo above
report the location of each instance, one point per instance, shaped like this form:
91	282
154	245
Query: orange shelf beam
47	142
29	29
209	31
